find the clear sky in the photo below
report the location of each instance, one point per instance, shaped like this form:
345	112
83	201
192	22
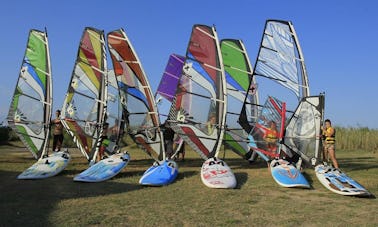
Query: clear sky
339	40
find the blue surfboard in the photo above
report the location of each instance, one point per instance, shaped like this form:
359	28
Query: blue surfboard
160	173
338	182
104	169
286	175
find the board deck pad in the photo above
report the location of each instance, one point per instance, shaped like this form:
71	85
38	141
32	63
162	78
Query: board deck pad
215	173
338	182
160	173
104	169
287	175
47	166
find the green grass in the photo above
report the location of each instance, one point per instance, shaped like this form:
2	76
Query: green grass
121	201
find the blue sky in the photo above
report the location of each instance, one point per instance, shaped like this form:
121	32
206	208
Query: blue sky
339	40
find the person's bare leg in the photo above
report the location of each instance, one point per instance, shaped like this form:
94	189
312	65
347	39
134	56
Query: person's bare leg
325	154
332	154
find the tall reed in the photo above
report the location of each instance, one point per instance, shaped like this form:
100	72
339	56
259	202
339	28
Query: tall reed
361	138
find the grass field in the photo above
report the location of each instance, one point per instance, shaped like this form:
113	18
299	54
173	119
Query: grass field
121	201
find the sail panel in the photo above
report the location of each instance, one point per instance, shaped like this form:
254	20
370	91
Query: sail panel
168	83
238	76
114	111
138	102
203	85
304	128
280	58
83	109
269	128
279	69
30	110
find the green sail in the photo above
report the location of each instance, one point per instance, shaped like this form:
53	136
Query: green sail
238	76
30	110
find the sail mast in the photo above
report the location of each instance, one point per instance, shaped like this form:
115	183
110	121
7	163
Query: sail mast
48	100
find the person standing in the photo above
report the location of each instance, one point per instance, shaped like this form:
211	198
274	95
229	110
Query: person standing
210	125
329	134
57	132
168	134
104	142
180	143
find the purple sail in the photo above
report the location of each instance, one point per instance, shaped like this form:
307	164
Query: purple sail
168	83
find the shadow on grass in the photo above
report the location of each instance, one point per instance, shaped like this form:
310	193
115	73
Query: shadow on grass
309	178
31	201
12	144
241	179
185	174
358	163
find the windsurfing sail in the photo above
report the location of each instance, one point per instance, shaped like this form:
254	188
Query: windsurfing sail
268	132
303	131
166	92
280	58
30	111
138	102
238	73
202	84
84	107
279	69
168	84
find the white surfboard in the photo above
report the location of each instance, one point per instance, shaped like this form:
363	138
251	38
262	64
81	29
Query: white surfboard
215	173
47	167
104	169
338	182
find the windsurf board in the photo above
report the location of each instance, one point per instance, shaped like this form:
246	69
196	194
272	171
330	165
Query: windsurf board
104	169
338	182
48	166
287	175
160	173
215	173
